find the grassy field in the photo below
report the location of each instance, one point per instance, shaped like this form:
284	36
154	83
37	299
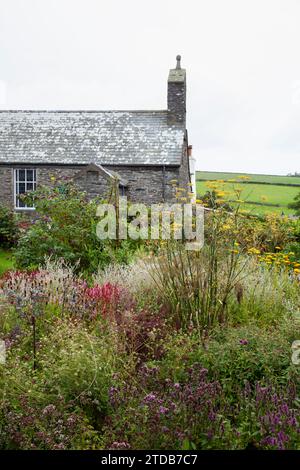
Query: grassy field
260	197
6	261
274	179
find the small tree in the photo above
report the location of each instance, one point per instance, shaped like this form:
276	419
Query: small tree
296	204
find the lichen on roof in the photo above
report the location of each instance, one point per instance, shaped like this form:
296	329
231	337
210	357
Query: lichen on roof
82	137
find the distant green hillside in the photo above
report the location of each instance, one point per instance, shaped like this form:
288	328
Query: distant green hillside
214	175
262	193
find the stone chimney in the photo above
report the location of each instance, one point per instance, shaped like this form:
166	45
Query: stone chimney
177	94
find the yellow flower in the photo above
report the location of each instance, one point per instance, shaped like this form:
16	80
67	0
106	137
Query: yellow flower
244	177
253	251
297	271
175	225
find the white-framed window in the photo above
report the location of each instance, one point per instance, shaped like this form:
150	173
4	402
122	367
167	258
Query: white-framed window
24	181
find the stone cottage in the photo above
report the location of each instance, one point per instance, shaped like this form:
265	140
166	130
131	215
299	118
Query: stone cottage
142	150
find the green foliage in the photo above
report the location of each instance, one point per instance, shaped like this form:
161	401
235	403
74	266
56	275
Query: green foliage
181	350
294	250
198	285
6	261
264	296
65	227
78	364
296	204
75	368
223	395
8	228
210	199
234	356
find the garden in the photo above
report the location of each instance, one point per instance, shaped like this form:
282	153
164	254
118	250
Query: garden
134	344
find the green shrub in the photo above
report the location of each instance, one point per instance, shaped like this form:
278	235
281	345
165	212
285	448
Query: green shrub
65	227
239	390
198	285
265	295
296	204
8	228
73	375
294	248
234	356
78	365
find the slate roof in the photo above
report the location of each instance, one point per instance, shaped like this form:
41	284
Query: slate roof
82	137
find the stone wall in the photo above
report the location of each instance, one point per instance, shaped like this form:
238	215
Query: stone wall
7	186
184	171
94	183
148	185
145	184
46	175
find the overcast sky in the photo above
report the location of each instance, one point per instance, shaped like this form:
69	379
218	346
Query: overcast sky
242	59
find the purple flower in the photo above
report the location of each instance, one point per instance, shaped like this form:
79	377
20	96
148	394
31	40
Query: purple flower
163	410
269	441
151	397
243	341
165	429
49	409
112	391
120	445
292	421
